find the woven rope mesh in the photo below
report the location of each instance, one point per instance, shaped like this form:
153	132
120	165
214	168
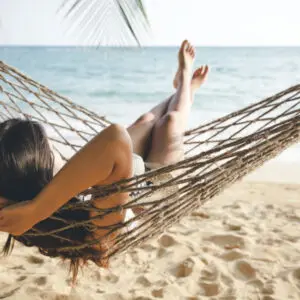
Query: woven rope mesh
217	154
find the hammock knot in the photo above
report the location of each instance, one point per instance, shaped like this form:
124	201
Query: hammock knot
117	187
119	209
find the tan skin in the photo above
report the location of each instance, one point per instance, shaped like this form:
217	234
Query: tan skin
108	157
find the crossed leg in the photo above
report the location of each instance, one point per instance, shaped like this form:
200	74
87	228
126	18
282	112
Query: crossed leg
157	136
141	130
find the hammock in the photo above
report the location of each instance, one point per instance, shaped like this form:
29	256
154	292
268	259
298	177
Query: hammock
217	154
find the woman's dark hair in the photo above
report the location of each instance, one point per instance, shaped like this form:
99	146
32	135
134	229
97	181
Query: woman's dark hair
26	166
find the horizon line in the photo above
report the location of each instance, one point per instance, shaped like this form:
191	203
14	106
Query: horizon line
147	46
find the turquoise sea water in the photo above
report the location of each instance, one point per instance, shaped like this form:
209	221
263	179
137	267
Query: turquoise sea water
122	83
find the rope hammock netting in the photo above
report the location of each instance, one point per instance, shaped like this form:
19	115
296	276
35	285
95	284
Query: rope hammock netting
217	154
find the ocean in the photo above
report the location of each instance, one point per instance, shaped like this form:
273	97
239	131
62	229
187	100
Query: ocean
122	83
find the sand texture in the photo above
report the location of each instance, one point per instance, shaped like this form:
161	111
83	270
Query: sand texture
245	244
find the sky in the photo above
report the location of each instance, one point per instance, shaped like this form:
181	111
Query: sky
205	23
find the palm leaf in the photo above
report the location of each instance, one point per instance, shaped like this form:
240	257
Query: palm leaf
114	22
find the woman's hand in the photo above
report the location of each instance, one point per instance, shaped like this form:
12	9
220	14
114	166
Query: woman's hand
18	218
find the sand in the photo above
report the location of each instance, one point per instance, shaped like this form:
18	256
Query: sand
245	244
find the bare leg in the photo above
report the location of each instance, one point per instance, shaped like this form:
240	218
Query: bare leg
140	130
167	138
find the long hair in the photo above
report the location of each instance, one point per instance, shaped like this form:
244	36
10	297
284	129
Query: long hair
26	166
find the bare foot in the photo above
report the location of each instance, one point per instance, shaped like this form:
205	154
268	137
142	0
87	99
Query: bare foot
186	56
199	77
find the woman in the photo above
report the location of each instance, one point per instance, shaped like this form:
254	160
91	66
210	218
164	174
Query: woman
27	162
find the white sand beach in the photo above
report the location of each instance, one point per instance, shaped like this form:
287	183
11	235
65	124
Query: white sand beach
244	244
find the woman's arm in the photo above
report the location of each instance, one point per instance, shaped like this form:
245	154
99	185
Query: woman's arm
94	163
97	162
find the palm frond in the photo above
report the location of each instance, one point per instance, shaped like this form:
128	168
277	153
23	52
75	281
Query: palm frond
114	22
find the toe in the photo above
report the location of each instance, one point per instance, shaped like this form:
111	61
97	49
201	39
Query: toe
206	69
197	72
186	45
193	51
202	70
183	46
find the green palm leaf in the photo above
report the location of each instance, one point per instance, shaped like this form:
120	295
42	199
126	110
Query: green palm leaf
114	22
